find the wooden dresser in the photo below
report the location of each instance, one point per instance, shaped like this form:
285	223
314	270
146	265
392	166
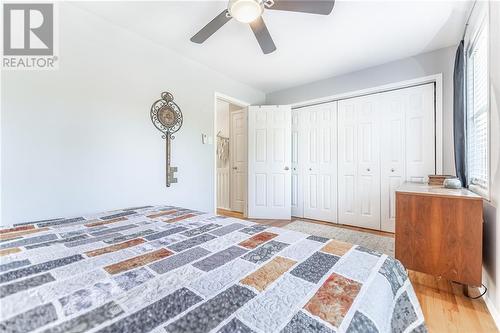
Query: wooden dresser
440	232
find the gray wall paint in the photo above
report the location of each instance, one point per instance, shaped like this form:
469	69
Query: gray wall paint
440	61
79	139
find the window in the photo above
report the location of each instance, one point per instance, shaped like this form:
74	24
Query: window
477	114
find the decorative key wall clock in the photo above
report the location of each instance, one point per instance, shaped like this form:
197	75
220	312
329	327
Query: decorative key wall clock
167	118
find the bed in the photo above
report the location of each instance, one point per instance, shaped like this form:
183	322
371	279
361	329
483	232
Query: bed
170	269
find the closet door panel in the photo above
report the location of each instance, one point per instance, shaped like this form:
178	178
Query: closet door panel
369	162
420	144
347	155
393	141
280	155
269	162
297	188
260	155
312	194
328	184
408	141
349	203
319	124
359	162
366	182
311	188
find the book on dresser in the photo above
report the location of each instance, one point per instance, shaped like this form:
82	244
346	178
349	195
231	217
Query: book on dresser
439	231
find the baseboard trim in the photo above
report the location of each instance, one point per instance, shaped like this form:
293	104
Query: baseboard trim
492	309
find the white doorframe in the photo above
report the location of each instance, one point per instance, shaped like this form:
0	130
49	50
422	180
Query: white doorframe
232	100
436	78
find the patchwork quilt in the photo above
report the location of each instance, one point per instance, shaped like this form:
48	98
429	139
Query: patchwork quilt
169	269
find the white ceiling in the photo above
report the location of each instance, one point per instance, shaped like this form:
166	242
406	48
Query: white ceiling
357	35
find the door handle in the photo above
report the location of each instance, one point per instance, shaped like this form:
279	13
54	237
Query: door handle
235	168
392	170
294	169
287	168
310	169
368	169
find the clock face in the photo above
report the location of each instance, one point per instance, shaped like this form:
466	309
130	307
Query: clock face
166	116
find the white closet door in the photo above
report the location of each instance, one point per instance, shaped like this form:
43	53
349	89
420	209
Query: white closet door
347	161
297	186
238	153
319	125
393	171
420	141
269	161
369	162
408	152
359	162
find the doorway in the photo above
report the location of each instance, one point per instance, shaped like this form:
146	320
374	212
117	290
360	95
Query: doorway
231	156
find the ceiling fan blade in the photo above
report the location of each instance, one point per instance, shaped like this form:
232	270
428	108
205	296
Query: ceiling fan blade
211	27
322	7
263	37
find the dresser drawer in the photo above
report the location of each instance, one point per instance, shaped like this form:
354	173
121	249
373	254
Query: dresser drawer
440	235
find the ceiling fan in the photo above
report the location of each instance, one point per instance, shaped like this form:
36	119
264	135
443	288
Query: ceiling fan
250	11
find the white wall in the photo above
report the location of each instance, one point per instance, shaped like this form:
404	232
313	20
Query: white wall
491	233
79	140
223	118
440	61
491	250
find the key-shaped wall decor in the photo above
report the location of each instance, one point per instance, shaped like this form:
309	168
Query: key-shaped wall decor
167	118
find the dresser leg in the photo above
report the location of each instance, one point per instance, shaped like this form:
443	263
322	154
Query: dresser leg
465	289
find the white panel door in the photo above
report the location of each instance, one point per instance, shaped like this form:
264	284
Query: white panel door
297	183
269	161
238	156
420	141
223	188
392	154
347	161
407	139
369	163
319	127
359	162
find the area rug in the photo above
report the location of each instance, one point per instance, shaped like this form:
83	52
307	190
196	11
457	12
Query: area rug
379	243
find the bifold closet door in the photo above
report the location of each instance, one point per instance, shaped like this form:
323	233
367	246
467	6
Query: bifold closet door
392	166
408	134
359	162
297	179
420	133
318	143
269	162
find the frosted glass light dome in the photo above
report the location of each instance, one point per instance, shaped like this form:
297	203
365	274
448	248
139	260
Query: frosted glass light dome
245	11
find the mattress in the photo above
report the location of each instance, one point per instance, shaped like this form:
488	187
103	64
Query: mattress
170	269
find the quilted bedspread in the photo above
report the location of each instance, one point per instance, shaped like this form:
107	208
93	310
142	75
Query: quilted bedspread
169	269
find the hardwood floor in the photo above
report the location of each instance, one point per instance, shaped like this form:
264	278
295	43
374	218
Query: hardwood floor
445	307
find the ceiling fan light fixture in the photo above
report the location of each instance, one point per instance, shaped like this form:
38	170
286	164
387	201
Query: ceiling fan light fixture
245	11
